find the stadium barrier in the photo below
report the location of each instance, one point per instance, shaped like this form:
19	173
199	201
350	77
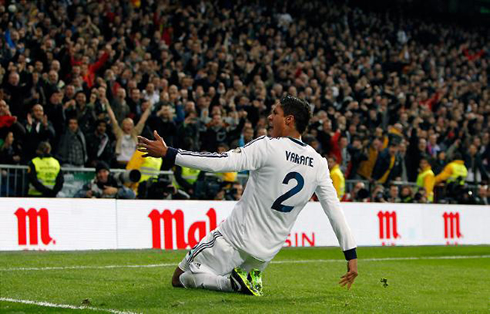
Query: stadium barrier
93	224
14	181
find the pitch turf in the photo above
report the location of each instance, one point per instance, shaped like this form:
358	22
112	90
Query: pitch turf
299	281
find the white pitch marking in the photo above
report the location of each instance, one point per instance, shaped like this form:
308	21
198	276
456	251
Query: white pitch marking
64	306
385	259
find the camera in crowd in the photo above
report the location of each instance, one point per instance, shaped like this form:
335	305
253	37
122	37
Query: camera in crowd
160	188
457	193
208	188
129	176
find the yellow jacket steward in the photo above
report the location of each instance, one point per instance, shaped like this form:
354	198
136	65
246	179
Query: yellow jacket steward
455	171
148	166
338	180
426	180
189	175
44	177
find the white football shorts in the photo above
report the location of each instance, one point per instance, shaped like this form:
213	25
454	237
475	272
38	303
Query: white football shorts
215	255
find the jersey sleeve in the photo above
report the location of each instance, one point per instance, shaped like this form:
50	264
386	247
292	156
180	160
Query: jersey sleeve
250	157
327	196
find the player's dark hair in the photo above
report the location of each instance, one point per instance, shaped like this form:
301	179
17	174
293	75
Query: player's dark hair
298	108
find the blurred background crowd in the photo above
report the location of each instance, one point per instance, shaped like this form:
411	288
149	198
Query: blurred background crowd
400	103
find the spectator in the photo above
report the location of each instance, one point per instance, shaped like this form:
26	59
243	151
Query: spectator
388	165
416	149
393	194
406	194
45	175
235	192
17	91
72	151
38	129
366	167
357	156
9	123
120	106
104	185
476	170
80	110
99	146
358	193
378	194
10	150
163	123
483	197
126	136
439	163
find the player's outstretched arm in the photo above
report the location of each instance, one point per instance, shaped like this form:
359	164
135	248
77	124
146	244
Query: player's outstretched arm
157	148
350	276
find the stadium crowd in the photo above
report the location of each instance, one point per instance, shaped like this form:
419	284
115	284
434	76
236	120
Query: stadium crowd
400	105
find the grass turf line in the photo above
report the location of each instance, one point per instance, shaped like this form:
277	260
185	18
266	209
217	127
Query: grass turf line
438	286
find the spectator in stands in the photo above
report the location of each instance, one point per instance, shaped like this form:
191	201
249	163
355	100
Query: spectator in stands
45	175
406	194
378	194
38	129
235	192
72	150
80	110
126	136
357	155
439	163
105	185
476	170
416	149
10	150
120	106
163	123
483	197
373	150
393	194
388	165
358	193
99	146
9	123
16	91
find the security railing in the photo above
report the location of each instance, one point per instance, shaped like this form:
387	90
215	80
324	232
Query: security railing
14	181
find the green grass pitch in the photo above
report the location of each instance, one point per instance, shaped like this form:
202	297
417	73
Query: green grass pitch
302	280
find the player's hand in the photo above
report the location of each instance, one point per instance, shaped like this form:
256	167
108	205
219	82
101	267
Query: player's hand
350	276
156	148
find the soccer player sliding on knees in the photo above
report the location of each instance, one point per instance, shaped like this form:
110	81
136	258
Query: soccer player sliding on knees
284	174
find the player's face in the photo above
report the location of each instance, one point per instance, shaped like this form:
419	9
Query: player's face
277	121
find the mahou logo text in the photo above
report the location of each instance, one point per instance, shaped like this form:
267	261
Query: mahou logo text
35	229
177	218
452	231
388	231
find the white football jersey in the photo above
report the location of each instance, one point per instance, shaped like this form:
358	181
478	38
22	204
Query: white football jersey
284	174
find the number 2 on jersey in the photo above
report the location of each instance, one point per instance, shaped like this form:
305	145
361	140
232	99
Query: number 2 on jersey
301	182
